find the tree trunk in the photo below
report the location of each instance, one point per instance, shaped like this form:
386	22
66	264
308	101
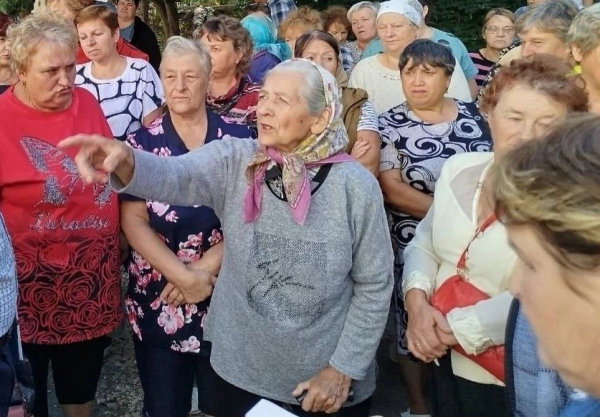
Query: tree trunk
145	10
173	17
162	13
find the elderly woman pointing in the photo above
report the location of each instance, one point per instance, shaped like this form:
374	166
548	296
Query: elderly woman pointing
304	288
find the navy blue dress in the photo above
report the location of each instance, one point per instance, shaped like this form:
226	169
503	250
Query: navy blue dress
188	231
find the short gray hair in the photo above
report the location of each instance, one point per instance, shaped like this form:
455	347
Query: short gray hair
554	17
584	32
312	90
374	7
25	37
178	46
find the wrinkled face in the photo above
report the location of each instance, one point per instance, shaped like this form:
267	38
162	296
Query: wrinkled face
321	53
184	83
283	119
126	10
499	32
424	85
97	40
534	41
563	307
4	53
363	25
522	114
590	63
61	8
49	77
338	31
223	56
396	33
292	34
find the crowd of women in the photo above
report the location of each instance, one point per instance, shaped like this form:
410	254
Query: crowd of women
271	190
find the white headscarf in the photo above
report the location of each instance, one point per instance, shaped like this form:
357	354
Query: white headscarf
402	8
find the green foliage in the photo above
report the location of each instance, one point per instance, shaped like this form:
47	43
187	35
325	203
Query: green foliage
462	18
239	10
465	18
16	8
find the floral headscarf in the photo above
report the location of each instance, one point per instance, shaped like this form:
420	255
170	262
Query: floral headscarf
325	148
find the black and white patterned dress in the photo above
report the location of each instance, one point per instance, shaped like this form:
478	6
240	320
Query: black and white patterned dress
419	150
127	99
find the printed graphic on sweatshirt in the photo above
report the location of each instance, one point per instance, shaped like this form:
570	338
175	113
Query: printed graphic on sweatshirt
286	279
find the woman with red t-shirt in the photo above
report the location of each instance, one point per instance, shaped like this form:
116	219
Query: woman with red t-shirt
65	233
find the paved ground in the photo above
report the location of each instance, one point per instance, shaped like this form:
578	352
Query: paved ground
119	391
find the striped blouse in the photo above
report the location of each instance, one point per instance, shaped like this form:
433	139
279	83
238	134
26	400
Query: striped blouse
483	66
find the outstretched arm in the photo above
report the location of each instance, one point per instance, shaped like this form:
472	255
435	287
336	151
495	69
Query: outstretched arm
197	178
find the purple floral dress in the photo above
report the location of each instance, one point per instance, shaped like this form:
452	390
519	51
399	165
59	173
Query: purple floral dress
188	232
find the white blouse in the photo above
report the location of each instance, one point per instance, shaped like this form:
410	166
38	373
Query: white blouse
126	99
440	239
385	87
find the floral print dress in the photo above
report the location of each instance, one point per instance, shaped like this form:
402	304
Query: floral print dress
187	231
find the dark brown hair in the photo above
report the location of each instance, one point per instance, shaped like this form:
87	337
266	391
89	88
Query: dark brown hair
225	28
5	22
336	14
316	34
429	53
135	2
102	13
543	73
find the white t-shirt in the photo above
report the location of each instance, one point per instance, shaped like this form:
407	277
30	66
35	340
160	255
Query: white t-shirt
385	87
127	99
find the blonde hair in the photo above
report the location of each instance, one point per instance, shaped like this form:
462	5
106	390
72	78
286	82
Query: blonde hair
497	12
74	5
553	185
303	17
25	37
584	32
374	7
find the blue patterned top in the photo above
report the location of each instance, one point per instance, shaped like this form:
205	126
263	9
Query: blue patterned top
187	231
8	281
280	9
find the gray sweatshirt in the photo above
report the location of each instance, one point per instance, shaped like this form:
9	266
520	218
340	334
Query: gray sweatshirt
290	298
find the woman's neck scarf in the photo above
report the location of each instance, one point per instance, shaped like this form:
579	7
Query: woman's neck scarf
325	148
264	36
223	104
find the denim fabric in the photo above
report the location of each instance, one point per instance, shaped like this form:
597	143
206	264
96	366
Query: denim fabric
8	281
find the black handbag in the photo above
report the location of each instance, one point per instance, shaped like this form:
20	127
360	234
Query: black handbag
24	391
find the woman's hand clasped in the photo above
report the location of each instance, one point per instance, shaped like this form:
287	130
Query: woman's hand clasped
326	392
98	156
360	148
196	286
425	326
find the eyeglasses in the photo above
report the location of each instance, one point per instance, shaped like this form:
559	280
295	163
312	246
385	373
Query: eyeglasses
495	30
